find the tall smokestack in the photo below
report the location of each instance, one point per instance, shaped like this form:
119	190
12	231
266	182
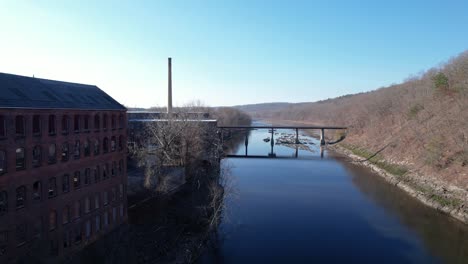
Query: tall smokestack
169	86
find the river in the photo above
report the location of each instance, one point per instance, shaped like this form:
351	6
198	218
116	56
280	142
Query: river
324	210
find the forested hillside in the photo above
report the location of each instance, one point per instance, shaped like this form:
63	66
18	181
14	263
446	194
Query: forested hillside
420	124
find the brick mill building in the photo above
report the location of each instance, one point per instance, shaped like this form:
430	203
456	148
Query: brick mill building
62	166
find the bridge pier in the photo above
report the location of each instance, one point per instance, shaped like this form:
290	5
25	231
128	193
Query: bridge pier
297	136
322	137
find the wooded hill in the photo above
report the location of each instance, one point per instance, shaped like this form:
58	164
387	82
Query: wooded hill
420	124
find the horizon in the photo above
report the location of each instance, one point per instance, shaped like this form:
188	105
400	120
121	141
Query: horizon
231	53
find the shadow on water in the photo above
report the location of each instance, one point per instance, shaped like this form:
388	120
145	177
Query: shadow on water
443	236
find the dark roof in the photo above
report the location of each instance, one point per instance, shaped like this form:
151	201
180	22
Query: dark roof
29	92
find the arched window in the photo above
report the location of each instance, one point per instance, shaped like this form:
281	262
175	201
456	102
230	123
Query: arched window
20	197
65	183
36	126
52	157
86	123
19	125
20	159
37	191
113	143
76	150
121	121
76	123
121	142
87	148
77	180
52	187
3	129
65	151
65	124
52	126
97	174
3	162
96	147
105	145
97	122
113	122
37	154
3	202
104	122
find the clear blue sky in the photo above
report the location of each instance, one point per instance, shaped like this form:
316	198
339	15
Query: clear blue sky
229	52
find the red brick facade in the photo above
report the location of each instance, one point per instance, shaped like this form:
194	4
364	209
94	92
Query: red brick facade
54	203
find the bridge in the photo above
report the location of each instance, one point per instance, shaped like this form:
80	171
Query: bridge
272	129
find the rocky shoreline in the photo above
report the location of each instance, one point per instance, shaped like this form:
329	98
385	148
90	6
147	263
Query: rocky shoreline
445	198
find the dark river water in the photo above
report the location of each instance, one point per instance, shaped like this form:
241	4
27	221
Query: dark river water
325	210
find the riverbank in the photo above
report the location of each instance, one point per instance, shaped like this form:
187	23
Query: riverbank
444	197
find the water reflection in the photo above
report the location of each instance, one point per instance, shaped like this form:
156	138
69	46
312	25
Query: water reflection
319	208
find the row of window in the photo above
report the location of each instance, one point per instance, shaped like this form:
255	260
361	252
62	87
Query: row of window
71	236
77	182
80	123
38	159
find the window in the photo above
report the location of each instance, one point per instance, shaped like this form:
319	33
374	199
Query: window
96	147
106	198
19	124
36	162
76	151
113	143
104	122
52	220
36	125
114	168
65	124
88	229
20	160
121	121
87	149
77	180
77	210
3	131
105	173
121	166
97	123
52	158
76	123
66	239
78	235
87	179
52	187
3	202
121	191
121	143
53	247
121	210
105	145
3	162
52	125
114	194
97	175
114	215
65	152
106	219
65	183
37	191
87	207
113	122
20	197
96	202
98	223
21	234
37	227
86	123
66	215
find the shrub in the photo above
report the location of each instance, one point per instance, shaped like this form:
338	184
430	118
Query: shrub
441	81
